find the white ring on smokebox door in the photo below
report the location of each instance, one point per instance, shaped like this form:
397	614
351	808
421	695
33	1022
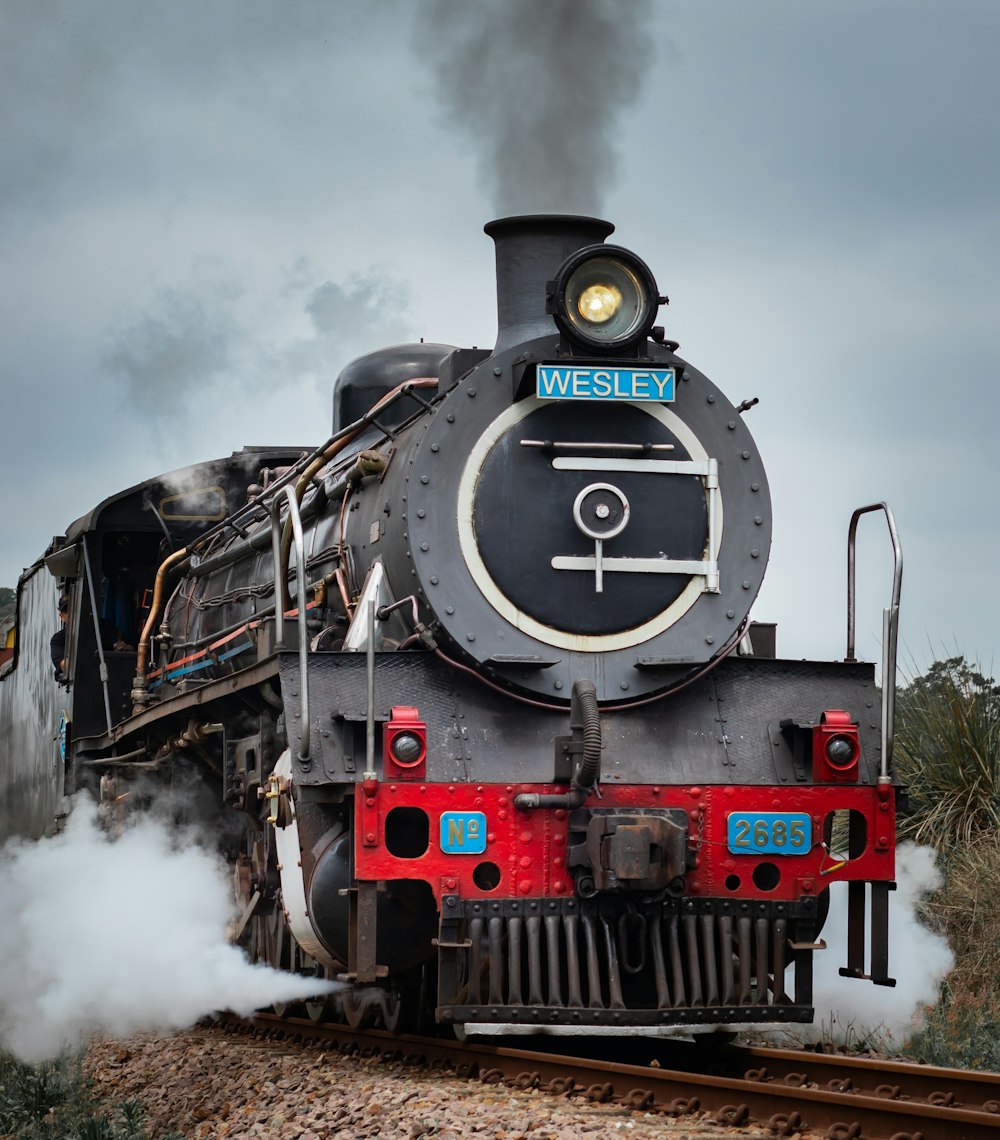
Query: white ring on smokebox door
578	642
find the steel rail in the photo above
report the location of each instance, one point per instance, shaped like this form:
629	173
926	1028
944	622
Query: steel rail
838	1111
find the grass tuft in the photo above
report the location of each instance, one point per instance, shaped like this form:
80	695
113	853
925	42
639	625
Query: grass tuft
55	1101
947	751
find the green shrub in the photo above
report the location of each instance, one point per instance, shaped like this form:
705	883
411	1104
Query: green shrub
947	751
54	1101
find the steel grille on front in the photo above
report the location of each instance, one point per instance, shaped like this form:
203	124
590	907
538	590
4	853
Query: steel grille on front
612	961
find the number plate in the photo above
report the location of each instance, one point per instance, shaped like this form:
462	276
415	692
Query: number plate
642	385
463	832
769	833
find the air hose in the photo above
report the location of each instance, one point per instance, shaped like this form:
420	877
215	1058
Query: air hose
585	721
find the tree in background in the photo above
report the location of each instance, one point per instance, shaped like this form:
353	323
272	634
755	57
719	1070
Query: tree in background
8	599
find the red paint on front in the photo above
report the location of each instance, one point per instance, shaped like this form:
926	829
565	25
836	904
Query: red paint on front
529	848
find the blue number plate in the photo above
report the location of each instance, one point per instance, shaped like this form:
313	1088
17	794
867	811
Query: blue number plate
769	833
643	385
463	832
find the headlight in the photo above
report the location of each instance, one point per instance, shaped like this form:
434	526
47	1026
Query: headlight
840	751
406	748
604	297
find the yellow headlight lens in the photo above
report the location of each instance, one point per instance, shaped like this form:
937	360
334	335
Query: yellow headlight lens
599	303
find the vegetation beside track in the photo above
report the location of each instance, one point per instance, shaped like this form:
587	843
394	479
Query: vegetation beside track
947	751
54	1101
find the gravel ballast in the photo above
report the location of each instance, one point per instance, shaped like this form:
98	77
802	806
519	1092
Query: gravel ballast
208	1083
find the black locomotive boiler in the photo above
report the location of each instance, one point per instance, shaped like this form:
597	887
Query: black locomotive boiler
477	682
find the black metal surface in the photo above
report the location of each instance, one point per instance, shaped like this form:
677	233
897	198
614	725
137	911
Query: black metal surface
604	962
529	250
523	520
715	731
364	381
429	555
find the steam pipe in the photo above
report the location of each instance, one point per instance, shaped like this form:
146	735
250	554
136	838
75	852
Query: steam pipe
585	720
140	695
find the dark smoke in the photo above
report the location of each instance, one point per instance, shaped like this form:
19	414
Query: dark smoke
537	87
206	345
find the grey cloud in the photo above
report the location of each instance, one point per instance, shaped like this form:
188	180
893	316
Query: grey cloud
536	89
365	312
141	99
842	122
360	310
214	339
183	344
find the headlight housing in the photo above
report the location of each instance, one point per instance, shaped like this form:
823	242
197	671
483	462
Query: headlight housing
604	297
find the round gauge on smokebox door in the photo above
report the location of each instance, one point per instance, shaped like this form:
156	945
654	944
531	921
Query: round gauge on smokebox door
578	483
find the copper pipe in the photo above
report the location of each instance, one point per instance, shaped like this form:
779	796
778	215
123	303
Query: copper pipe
342	586
331	452
142	655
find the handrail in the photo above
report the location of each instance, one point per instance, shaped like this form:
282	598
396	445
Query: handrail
370	693
890	626
97	634
279	593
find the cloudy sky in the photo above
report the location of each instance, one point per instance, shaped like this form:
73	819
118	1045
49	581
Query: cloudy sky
208	206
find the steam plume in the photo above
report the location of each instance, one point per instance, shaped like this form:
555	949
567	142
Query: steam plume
116	936
918	959
537	87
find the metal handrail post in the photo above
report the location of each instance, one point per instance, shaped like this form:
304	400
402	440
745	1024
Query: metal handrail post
890	625
370	695
288	493
97	634
279	584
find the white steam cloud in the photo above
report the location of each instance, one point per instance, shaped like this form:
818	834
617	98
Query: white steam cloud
115	936
847	1008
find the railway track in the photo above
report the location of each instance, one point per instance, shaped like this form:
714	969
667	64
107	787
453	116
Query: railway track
786	1091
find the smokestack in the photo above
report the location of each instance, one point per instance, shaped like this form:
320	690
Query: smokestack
530	250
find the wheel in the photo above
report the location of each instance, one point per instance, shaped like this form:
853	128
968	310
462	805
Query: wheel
318	1009
402	1004
360	1007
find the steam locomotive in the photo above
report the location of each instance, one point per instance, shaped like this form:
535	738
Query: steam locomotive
477	682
